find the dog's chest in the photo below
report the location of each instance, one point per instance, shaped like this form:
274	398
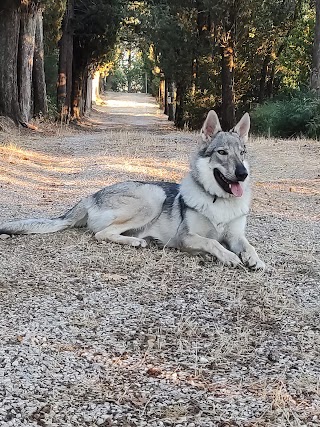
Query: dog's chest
222	212
214	219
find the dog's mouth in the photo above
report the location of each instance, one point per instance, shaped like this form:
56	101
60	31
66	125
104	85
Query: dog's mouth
231	187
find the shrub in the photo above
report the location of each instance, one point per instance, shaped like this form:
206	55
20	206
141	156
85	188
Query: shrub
294	116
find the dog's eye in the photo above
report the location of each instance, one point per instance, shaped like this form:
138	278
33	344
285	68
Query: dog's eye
222	152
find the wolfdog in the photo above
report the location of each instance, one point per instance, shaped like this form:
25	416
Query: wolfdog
205	213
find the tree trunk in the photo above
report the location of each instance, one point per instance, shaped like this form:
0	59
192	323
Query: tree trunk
85	96
64	84
161	92
89	91
171	111
9	36
315	73
25	62
228	116
270	82
129	76
77	93
39	83
165	97
180	101
263	76
203	44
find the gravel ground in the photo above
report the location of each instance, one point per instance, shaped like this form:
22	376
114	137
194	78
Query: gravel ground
95	334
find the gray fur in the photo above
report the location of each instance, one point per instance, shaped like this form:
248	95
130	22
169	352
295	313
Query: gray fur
206	213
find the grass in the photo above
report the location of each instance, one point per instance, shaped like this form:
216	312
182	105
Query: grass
156	335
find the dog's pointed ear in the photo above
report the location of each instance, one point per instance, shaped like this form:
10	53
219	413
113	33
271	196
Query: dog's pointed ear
242	128
210	127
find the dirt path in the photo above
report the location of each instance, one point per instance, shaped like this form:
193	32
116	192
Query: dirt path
134	111
97	334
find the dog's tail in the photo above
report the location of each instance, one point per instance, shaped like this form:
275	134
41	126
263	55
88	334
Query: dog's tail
75	217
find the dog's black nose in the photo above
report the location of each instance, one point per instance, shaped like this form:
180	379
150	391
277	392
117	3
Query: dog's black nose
241	172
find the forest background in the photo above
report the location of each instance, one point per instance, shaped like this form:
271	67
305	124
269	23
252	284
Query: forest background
195	55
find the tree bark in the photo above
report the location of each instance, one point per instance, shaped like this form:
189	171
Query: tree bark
64	84
315	74
228	116
39	82
9	36
129	76
25	62
165	111
77	94
263	76
172	100
88	101
180	101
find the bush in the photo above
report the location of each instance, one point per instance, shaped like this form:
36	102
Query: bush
294	116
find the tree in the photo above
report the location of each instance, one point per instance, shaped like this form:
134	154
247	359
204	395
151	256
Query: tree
315	74
88	36
170	31
9	36
22	82
64	83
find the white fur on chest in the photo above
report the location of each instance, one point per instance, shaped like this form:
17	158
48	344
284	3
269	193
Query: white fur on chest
223	211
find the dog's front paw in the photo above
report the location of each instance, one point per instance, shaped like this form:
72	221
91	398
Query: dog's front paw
230	259
260	265
251	260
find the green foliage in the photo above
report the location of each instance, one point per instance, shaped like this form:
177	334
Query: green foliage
196	109
96	24
51	72
295	61
128	69
288	117
181	40
272	47
52	19
118	80
174	42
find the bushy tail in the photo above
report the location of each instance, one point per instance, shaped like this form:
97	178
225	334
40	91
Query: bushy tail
75	217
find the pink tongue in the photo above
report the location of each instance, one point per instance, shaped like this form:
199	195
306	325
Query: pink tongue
236	189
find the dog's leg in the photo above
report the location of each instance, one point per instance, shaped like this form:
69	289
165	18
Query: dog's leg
125	214
238	244
112	233
119	222
195	242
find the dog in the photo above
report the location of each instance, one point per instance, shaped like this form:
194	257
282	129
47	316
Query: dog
205	213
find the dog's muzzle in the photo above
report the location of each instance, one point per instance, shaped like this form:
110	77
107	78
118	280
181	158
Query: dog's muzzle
231	186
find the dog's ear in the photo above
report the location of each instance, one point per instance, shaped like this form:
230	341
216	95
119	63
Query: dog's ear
243	127
210	127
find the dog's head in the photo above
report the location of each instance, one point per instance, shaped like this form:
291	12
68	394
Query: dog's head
221	165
